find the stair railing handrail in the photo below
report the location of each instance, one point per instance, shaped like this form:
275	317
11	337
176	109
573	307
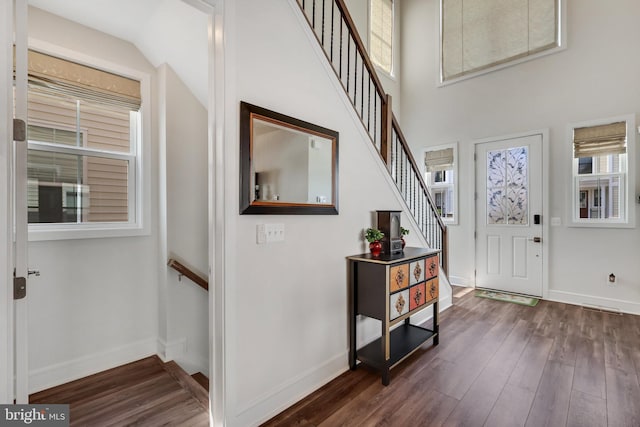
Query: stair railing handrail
361	48
188	273
443	244
403	141
384	132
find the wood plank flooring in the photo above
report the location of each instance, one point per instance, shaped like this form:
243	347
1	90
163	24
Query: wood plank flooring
142	393
498	364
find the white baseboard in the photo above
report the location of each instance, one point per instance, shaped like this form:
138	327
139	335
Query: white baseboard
608	304
178	351
192	363
60	373
284	395
461	281
175	349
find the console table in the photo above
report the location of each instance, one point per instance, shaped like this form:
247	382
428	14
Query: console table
392	288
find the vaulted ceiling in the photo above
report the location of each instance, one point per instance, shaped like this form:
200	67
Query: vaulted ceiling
165	31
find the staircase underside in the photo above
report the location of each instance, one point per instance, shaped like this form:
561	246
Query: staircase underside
147	392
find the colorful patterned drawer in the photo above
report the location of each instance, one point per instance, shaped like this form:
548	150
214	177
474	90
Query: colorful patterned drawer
432	289
398	304
416	296
398	277
416	272
431	265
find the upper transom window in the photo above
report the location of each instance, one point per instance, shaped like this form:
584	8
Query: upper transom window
481	35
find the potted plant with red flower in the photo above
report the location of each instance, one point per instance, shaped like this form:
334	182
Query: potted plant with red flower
373	236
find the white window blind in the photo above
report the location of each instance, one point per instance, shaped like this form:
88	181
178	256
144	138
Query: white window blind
479	34
438	160
381	34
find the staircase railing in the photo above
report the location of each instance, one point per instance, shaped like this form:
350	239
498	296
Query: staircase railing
188	273
336	32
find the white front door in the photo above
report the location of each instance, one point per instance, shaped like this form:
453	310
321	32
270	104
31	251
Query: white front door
509	215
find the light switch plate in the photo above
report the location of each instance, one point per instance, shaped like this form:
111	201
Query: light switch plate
261	236
274	232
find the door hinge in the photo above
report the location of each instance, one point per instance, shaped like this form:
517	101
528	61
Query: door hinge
19	287
475	157
475	234
19	130
475	196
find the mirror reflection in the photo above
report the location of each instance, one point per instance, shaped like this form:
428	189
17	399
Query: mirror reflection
289	166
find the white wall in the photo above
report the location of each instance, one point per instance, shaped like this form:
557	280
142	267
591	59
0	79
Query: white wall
596	77
184	306
95	304
286	303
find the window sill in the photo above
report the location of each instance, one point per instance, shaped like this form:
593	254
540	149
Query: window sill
577	224
41	232
383	73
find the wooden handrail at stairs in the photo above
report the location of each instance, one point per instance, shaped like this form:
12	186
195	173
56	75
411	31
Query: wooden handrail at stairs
336	33
188	273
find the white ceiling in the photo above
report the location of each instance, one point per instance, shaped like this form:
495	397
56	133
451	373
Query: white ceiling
165	31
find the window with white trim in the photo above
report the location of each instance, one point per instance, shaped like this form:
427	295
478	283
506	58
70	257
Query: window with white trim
482	35
602	184
440	177
381	34
83	136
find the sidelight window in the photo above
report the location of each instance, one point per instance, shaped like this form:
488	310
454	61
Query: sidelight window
440	177
602	193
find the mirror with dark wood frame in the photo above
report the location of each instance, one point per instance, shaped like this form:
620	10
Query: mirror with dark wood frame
287	166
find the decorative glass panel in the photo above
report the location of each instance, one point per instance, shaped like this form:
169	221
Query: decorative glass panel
507	186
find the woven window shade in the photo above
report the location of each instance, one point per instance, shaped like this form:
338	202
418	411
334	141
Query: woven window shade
481	34
439	160
51	75
600	140
381	42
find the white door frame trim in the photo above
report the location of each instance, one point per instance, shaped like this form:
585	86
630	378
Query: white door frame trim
545	197
6	215
216	207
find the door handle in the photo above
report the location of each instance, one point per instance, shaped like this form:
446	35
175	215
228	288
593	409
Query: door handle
536	240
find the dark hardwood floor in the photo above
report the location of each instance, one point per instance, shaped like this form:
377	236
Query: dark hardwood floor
143	393
498	364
